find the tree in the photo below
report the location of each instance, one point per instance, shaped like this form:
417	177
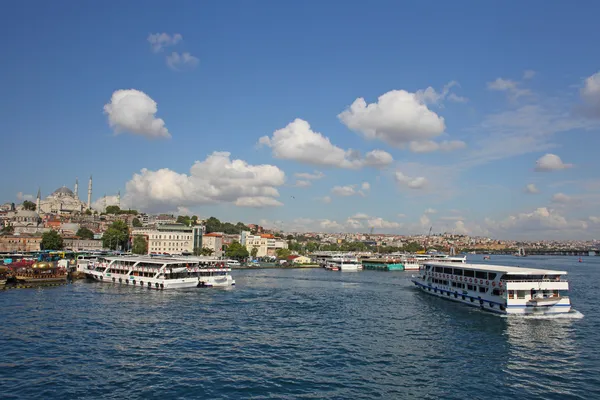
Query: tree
112	209
236	250
136	223
290	237
85	233
183	219
116	235
51	240
205	251
283	253
140	245
29	205
254	252
88	212
8	229
212	225
194	220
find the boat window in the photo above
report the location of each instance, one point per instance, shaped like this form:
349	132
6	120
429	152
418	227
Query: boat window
447	270
521	294
458	271
480	275
482	289
491	276
469	272
470	287
439	269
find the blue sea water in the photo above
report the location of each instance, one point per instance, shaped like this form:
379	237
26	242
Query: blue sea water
296	334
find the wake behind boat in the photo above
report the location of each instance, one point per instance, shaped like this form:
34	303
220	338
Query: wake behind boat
161	273
497	288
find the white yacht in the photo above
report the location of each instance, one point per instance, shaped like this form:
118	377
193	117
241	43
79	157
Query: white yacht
161	273
497	288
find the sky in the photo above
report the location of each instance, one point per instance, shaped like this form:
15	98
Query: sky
478	118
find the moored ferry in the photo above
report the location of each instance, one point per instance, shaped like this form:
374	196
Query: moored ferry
161	273
497	288
344	264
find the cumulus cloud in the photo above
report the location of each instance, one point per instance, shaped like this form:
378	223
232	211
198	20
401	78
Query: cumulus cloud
298	142
134	111
24	197
412	183
595	220
541	219
111	200
531	189
561	198
397	118
326	199
430	211
378	159
217	179
380	223
431	96
365	186
178	62
590	94
550	162
424	221
308	176
360	216
158	41
345	191
428	146
460	228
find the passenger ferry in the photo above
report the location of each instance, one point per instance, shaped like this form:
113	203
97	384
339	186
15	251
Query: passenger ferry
344	264
497	288
438	257
161	273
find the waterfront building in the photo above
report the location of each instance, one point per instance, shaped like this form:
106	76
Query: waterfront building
214	242
20	243
75	243
266	244
171	238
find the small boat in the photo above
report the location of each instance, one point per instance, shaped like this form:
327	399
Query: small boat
580	260
486	257
41	272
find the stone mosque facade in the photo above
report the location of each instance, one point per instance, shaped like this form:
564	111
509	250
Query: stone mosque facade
64	201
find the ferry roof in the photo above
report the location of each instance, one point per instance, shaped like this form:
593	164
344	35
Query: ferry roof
506	269
160	260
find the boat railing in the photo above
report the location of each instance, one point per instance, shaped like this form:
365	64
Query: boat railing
532	280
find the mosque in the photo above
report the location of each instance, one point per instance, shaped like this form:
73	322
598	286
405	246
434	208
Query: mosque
64	201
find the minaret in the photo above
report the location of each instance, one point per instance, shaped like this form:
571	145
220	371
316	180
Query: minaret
37	203
90	194
77	188
119	199
104	203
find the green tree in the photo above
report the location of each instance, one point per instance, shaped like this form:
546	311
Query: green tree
29	205
140	245
283	253
51	240
136	223
205	251
290	237
112	209
8	229
88	212
194	220
312	247
183	219
212	225
85	233
116	236
236	250
254	252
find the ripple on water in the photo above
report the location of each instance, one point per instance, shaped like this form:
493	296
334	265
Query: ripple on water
292	334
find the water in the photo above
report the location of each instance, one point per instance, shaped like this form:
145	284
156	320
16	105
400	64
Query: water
295	334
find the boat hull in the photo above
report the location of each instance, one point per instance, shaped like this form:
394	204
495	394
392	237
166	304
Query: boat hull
496	305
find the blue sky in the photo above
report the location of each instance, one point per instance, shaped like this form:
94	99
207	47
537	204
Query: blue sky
460	101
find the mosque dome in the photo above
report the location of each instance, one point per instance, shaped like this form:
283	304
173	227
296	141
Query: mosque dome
63	191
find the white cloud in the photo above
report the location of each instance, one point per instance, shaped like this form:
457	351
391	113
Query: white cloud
159	41
430	211
542	220
427	146
595	220
509	86
452	218
431	96
380	223
308	176
378	159
217	179
460	228
325	199
24	197
412	183
590	94
360	216
257	202
561	198
397	118
301	183
457	99
134	111
348	190
528	74
331	226
178	62
424	221
401	215
101	203
365	186
298	142
550	162
531	189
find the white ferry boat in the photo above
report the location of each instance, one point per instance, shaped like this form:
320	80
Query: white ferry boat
497	288
345	264
438	257
161	273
